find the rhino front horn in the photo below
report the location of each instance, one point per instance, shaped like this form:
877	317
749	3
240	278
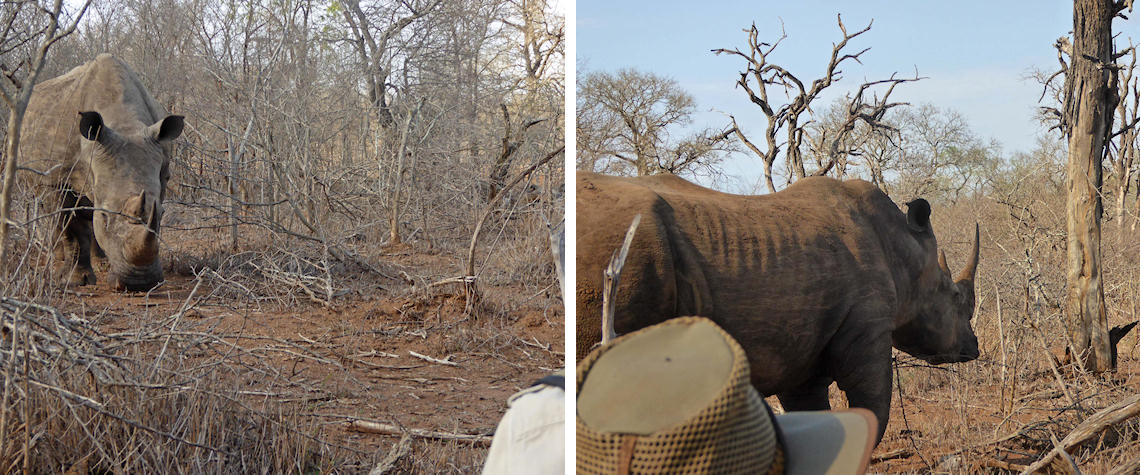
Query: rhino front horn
972	264
140	248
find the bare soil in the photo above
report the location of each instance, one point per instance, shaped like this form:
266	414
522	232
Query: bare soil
353	359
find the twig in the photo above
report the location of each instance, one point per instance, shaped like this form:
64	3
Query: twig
891	455
398	451
1001	464
388	429
433	360
612	278
906	422
469	279
375	353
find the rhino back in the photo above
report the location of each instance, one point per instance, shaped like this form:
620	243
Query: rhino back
648	276
50	134
780	272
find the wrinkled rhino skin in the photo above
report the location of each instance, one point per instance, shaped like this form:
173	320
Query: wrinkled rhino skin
816	282
103	145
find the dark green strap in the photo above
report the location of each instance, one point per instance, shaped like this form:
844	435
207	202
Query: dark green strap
555	380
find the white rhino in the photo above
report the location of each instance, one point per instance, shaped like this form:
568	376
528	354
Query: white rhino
104	146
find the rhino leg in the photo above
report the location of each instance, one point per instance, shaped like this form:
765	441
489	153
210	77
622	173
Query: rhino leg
73	249
100	257
809	396
869	387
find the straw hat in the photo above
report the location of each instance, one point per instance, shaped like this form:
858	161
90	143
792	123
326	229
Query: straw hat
676	398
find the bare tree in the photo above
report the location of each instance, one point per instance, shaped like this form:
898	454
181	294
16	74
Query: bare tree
632	116
938	153
22	25
542	39
373	33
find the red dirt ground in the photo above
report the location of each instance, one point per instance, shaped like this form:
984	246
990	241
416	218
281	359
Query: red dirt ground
352	360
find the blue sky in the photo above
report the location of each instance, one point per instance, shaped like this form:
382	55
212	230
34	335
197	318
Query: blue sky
976	54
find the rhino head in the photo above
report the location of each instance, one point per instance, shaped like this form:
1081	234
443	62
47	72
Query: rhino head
935	326
129	173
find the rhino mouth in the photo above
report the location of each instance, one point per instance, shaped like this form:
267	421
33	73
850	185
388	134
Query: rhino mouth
963	356
136	279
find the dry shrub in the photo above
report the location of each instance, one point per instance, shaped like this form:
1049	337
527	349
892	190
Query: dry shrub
167	397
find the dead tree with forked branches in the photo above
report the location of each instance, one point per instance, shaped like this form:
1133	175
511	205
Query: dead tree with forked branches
760	73
840	144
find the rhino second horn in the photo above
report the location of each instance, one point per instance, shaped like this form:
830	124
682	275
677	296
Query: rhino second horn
136	206
972	264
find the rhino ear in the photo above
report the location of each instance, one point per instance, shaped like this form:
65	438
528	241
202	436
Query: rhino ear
91	126
167	129
918	215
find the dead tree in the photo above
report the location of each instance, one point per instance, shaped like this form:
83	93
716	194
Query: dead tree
398	187
470	291
1090	97
1125	158
496	180
760	73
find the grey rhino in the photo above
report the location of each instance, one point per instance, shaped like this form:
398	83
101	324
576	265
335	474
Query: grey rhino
816	282
104	146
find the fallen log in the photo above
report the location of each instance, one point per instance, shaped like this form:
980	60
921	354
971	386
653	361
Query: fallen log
1085	431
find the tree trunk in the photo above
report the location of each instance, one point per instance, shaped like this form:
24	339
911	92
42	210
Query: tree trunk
1124	182
1090	89
401	150
795	159
1121	194
1136	205
15	120
768	176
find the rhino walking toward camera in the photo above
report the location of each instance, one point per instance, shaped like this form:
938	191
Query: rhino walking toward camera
103	144
816	282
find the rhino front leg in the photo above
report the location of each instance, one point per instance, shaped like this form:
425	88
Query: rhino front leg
73	248
869	387
809	396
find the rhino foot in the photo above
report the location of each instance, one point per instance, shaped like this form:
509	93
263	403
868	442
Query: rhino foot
78	276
